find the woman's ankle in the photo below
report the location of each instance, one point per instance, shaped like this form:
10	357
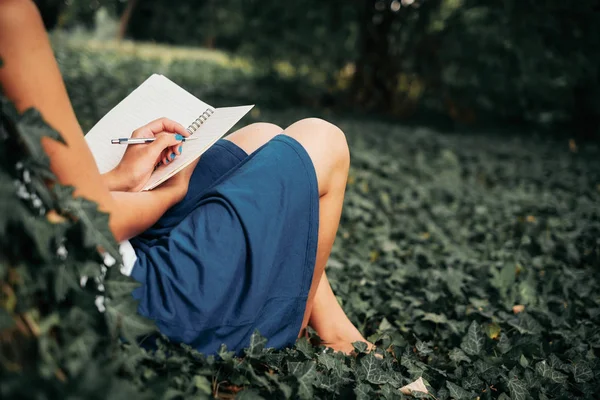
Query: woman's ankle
341	338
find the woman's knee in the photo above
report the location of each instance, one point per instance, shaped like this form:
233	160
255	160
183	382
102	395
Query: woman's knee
327	146
253	136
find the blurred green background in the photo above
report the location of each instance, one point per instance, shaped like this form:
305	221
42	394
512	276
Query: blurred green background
449	63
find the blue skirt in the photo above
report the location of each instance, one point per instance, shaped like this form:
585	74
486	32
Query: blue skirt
237	253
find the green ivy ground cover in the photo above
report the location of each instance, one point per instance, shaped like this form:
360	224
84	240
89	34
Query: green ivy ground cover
472	259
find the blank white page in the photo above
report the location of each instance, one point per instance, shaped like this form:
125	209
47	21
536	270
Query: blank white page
221	121
155	98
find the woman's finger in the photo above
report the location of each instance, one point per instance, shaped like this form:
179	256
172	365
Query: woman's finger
177	149
164	142
164	156
168	155
166	125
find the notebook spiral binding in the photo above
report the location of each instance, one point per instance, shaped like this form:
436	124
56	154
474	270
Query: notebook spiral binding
200	120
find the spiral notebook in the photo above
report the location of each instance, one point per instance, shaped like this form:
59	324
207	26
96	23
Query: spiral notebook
155	98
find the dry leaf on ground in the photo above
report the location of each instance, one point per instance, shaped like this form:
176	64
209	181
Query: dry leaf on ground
416	386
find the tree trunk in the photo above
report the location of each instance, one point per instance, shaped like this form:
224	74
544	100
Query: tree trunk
375	78
125	18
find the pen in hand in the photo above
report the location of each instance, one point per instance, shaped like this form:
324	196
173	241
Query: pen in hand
142	140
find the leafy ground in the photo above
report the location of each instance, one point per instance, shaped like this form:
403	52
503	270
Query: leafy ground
472	258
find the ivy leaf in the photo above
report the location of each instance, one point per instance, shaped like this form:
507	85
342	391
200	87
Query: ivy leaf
424	348
249	372
335	364
327	360
63	282
582	372
90	269
458	392
455	281
557	363
305	372
370	370
305	347
363	391
257	344
326	382
504	279
224	354
472	343
360	347
42	234
435	318
504	344
457	355
517	389
548	372
486	371
388	392
472	382
119	285
31	129
526	324
283	387
123	318
94	222
202	384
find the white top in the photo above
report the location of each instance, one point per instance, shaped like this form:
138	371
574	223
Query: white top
129	257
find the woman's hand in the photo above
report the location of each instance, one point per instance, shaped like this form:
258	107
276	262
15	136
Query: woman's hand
178	184
139	161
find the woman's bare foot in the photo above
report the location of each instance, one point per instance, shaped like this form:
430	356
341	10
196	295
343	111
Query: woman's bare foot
344	344
331	323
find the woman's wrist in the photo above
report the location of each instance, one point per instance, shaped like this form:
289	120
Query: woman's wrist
115	181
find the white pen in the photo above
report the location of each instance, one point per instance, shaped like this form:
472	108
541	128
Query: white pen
142	140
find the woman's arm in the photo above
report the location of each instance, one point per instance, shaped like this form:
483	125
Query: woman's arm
30	77
137	211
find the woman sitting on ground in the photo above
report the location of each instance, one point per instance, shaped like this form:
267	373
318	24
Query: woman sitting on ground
237	241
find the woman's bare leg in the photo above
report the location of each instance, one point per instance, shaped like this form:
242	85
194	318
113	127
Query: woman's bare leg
328	150
331	322
327	147
253	136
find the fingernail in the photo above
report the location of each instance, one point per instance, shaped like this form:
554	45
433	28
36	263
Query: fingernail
166	161
180	147
172	156
178	137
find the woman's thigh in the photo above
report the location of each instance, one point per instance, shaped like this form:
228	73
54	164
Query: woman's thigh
252	137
